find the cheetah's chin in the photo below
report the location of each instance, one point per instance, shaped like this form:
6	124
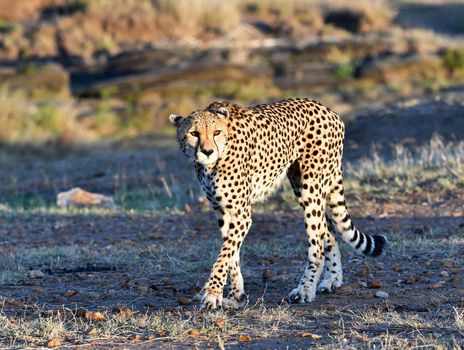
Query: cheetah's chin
207	162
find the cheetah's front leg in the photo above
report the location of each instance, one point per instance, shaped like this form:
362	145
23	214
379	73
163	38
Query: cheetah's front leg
233	232
236	296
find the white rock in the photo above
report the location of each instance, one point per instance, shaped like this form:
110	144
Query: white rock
444	274
35	274
78	198
381	294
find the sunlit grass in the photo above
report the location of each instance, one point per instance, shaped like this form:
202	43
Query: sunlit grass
437	166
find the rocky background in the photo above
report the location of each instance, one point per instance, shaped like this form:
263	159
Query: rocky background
86	70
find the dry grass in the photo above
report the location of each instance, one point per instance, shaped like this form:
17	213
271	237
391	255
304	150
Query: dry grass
208	14
149	327
459	319
438	165
390	320
16	265
24	121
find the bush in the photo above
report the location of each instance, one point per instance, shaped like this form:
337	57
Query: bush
25	121
344	70
453	60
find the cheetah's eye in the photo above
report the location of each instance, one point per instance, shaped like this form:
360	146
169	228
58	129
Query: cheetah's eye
195	133
217	132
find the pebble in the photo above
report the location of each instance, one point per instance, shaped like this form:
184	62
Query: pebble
444	274
345	289
363	284
267	274
381	294
184	301
35	274
374	284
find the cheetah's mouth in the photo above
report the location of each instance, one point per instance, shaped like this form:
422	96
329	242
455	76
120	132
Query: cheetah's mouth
206	160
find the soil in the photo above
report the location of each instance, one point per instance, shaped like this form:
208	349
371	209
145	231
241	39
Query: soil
411	279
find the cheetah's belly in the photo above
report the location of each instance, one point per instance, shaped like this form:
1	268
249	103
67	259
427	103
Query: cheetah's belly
264	185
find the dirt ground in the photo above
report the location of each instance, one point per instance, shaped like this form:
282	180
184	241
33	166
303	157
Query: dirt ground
412	273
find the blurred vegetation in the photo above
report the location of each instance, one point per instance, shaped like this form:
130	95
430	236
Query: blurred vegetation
37	105
24	121
453	60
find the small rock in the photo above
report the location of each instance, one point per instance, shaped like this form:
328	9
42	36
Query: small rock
330	307
35	274
330	325
375	284
184	301
94	316
267	274
311	335
70	292
123	310
194	332
410	280
363	284
244	338
444	274
438	285
53	343
220	323
381	294
78	198
345	289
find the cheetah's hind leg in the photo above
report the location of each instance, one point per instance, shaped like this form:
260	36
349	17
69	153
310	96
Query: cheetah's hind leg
333	276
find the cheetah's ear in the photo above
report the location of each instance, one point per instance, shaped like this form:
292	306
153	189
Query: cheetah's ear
223	112
176	120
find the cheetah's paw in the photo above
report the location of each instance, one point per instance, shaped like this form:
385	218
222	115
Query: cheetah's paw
301	295
329	285
234	302
211	300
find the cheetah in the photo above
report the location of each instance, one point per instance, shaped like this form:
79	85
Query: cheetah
241	155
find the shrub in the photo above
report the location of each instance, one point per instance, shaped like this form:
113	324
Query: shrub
453	60
25	121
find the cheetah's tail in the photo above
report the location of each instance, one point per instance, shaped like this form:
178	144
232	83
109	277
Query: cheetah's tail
372	245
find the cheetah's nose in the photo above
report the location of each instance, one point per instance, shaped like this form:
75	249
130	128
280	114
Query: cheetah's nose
207	152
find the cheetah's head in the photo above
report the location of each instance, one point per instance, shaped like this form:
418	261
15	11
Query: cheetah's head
202	135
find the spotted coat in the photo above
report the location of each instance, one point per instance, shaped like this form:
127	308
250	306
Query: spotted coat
241	154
